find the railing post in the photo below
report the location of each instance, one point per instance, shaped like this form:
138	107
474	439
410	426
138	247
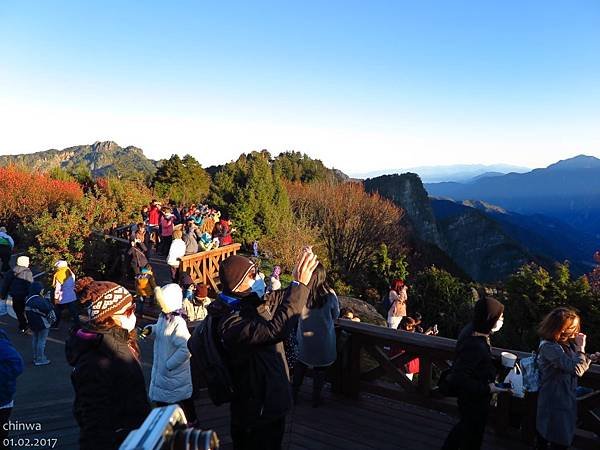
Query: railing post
352	381
425	375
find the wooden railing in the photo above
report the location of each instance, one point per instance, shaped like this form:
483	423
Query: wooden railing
203	267
364	365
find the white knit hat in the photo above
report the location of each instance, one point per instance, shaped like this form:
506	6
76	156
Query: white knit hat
23	261
61	264
169	297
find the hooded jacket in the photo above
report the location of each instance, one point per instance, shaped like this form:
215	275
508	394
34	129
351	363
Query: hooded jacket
251	331
38	310
11	366
473	369
110	392
171	379
17	282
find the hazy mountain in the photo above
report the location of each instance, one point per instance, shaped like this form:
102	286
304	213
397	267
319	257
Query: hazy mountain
568	190
544	237
476	243
458	173
102	158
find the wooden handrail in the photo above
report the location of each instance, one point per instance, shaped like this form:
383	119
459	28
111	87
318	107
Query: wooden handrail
437	346
203	267
363	340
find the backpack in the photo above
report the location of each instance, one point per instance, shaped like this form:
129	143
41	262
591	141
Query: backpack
207	354
531	371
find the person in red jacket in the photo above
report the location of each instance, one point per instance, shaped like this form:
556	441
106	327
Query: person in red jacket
224	231
154	214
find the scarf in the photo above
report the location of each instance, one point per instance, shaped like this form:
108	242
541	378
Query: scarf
62	274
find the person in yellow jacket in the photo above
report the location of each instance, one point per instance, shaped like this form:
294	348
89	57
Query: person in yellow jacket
144	287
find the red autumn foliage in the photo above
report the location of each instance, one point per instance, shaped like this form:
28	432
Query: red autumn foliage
25	194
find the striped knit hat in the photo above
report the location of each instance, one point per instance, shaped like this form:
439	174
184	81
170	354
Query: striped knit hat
105	298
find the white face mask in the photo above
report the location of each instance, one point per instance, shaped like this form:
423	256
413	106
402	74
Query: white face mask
127	322
258	287
498	326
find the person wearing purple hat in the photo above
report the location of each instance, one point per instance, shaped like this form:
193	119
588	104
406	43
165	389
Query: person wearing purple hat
251	327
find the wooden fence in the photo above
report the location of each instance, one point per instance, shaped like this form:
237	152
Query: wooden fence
364	365
203	267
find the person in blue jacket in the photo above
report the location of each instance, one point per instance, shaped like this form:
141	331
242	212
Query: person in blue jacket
40	317
11	366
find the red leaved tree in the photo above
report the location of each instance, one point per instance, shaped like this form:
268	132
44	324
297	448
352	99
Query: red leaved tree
25	194
353	224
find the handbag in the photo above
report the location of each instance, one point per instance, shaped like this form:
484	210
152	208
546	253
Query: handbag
515	378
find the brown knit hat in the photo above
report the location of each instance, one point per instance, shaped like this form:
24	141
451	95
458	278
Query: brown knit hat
233	271
106	298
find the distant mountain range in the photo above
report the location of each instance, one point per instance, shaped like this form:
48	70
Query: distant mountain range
568	190
457	173
486	241
102	158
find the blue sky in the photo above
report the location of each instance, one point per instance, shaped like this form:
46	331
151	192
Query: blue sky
360	85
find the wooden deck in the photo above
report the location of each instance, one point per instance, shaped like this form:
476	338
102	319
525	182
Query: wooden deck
45	396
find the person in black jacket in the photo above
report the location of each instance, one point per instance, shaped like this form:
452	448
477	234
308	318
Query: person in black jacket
473	375
252	329
16	283
110	392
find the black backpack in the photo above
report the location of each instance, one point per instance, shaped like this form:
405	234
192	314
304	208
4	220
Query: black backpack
207	355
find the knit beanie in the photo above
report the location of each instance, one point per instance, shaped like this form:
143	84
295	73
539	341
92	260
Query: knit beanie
169	297
61	264
23	261
487	312
233	271
106	297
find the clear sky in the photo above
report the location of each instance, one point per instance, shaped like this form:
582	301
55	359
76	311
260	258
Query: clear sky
362	85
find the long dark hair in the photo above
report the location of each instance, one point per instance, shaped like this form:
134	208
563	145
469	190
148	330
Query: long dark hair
319	289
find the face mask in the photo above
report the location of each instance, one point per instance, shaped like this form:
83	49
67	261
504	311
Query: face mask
498	326
128	322
258	287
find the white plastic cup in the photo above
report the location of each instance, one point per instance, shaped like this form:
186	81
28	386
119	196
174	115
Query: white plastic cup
508	359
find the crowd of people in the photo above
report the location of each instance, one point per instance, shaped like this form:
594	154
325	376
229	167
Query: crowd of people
267	337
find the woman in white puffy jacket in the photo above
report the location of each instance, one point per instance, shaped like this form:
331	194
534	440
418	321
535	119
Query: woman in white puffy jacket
171	380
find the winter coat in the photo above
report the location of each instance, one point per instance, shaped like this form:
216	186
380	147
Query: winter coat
39	312
166	225
171	379
473	369
191	244
557	403
6	239
145	284
17	282
194	311
11	366
316	333
176	252
252	332
397	308
138	258
110	392
224	233
154	216
65	292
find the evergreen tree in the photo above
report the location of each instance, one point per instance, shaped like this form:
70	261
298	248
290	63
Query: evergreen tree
182	180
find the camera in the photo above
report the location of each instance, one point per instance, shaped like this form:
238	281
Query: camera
166	429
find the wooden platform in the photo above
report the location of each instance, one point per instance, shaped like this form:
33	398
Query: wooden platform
45	396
